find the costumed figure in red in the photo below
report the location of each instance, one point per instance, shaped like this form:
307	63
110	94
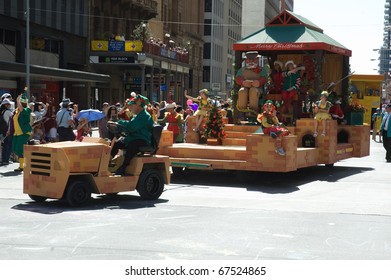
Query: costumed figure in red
175	122
277	80
251	78
291	85
272	126
335	109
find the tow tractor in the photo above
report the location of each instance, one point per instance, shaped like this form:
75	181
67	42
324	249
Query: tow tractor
74	170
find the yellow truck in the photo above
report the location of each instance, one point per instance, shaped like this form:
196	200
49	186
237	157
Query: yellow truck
74	170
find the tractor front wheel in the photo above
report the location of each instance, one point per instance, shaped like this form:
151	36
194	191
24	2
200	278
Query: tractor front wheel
150	184
78	193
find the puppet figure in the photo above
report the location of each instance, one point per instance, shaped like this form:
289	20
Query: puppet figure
272	126
204	105
175	122
276	78
291	85
251	78
321	110
335	109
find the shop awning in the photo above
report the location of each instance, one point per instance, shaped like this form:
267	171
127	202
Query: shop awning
290	32
14	69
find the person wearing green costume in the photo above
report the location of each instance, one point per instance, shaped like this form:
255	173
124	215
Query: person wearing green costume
140	131
22	128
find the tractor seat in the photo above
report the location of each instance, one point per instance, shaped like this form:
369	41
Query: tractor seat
152	149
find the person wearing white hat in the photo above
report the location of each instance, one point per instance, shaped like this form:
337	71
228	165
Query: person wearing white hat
65	122
9	97
174	120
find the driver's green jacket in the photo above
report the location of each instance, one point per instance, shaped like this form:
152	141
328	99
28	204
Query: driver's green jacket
139	127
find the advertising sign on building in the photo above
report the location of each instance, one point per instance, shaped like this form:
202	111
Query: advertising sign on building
116	59
216	86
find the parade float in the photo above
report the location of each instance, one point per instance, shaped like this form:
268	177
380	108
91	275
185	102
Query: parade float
286	39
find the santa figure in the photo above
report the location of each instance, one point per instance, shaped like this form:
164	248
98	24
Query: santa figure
251	78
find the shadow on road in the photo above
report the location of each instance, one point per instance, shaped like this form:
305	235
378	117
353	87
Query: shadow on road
268	182
112	202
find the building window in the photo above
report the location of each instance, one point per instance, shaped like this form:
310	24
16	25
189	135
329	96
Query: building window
208	6
207	27
206	74
206	51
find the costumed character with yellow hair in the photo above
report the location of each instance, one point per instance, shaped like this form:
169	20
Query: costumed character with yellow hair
251	78
204	106
321	110
272	126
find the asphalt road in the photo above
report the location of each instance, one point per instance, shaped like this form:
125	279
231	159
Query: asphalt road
317	213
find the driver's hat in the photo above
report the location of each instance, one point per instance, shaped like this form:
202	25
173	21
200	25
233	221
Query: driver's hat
139	99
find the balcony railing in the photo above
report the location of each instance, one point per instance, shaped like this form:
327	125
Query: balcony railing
171	53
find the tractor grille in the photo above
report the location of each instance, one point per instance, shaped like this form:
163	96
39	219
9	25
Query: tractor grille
40	163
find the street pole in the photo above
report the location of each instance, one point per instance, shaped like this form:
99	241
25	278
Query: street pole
27	56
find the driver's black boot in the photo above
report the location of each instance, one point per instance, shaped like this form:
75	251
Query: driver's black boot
120	171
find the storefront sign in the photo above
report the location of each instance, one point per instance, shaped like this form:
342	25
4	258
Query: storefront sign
116	46
116	59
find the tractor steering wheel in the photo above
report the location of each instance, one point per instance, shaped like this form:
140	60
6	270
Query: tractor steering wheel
117	129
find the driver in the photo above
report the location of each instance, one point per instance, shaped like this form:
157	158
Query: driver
139	131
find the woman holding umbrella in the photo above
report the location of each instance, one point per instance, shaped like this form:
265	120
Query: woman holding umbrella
83	129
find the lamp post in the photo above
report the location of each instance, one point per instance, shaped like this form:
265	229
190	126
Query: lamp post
27	57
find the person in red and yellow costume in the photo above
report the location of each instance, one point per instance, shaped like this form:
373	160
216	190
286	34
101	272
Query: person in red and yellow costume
175	122
272	126
251	78
22	128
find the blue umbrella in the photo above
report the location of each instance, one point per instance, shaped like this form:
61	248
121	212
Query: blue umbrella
90	115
